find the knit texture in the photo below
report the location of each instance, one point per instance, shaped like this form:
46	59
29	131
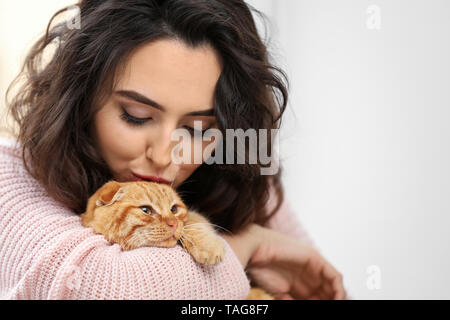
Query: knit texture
45	252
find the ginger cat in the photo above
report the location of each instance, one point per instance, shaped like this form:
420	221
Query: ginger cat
142	213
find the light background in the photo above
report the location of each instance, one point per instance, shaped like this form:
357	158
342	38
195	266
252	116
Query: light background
365	142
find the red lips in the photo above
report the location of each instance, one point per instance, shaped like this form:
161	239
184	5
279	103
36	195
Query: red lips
138	177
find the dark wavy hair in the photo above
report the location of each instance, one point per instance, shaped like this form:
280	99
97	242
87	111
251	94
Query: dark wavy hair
55	106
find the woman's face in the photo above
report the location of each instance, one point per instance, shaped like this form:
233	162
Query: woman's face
168	86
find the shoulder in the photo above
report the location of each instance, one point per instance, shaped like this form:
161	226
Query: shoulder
12	168
61	259
10	147
13	173
18	188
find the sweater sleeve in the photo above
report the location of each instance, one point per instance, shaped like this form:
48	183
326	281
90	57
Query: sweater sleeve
45	253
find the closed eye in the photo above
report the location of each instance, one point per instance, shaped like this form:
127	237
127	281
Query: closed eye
133	120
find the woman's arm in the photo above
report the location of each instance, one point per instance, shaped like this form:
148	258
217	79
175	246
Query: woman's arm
284	222
282	258
245	243
45	253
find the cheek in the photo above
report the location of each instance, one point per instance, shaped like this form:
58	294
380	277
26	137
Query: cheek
199	151
187	168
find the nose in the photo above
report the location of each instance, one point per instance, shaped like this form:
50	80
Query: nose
160	158
172	222
160	152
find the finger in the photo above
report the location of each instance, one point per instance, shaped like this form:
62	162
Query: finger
339	296
313	271
333	276
301	290
284	296
325	296
329	272
270	280
339	292
327	288
311	279
324	289
346	297
321	294
304	286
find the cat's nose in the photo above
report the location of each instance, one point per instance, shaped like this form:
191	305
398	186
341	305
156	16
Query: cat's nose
172	223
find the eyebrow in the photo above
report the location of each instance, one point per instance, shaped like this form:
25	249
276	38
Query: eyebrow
136	96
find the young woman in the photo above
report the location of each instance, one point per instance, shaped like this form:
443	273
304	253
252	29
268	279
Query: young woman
103	106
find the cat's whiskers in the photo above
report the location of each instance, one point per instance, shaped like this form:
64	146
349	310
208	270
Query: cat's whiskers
171	185
156	239
155	233
143	232
148	235
192	228
182	241
186	227
136	240
185	237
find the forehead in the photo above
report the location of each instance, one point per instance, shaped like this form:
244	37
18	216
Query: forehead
178	77
150	191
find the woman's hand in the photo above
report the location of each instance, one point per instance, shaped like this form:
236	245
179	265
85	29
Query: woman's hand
285	267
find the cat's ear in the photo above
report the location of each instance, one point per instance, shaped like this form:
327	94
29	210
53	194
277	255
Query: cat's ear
111	192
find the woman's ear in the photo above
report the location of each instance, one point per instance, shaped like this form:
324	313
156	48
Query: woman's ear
110	192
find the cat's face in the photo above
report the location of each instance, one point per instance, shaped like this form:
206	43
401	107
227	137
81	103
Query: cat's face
136	214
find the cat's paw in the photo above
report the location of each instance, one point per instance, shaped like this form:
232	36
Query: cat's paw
209	252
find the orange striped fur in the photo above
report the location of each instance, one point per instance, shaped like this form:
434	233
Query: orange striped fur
141	213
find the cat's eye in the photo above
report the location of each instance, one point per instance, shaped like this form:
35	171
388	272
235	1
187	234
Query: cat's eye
174	209
148	210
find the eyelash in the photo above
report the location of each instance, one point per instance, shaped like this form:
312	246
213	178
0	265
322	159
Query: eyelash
132	120
139	121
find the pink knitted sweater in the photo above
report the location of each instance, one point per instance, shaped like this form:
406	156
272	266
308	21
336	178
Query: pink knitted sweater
45	252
